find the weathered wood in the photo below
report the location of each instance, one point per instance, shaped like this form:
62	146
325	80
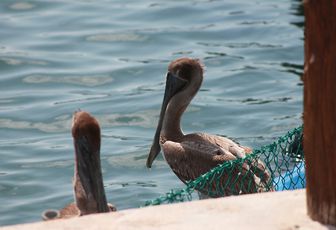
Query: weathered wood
320	109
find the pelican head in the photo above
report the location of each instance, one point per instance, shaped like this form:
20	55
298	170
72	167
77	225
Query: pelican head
184	79
88	181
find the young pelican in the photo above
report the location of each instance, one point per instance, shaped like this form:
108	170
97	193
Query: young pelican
194	154
88	180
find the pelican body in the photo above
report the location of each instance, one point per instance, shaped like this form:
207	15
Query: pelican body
191	155
88	180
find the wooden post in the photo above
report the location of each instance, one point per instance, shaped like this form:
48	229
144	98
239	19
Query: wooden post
320	109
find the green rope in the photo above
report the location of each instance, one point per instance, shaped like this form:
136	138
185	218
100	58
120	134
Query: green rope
284	161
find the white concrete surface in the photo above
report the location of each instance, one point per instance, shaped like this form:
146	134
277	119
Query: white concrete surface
276	210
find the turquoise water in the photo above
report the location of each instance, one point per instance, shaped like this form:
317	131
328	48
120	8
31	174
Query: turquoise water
110	58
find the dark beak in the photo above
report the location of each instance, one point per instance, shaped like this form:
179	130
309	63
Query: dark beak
174	84
89	171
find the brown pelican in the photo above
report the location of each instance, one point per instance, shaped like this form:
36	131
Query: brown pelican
191	155
88	180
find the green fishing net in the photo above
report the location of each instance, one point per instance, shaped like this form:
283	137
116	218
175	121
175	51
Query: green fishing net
274	167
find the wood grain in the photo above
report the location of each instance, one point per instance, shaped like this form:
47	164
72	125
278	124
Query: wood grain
320	109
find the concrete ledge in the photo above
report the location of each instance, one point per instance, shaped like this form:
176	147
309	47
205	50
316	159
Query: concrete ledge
276	210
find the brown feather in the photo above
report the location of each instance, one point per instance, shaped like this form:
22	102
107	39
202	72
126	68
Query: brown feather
199	153
194	154
86	135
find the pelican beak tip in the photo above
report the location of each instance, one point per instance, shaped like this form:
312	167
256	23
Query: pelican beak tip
149	162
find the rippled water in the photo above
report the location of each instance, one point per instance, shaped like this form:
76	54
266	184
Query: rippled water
110	58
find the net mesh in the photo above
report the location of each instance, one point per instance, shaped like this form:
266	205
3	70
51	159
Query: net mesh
274	167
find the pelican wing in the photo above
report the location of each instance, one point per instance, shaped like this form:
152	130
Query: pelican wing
191	159
256	165
199	153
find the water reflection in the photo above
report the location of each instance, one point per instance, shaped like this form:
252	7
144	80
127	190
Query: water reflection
297	9
21	6
145	119
257	101
293	68
85	80
133	184
131	37
16	61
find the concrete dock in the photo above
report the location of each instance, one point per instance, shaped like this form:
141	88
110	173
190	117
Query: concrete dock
273	210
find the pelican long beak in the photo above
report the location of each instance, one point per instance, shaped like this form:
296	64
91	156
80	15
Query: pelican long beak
173	85
89	171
